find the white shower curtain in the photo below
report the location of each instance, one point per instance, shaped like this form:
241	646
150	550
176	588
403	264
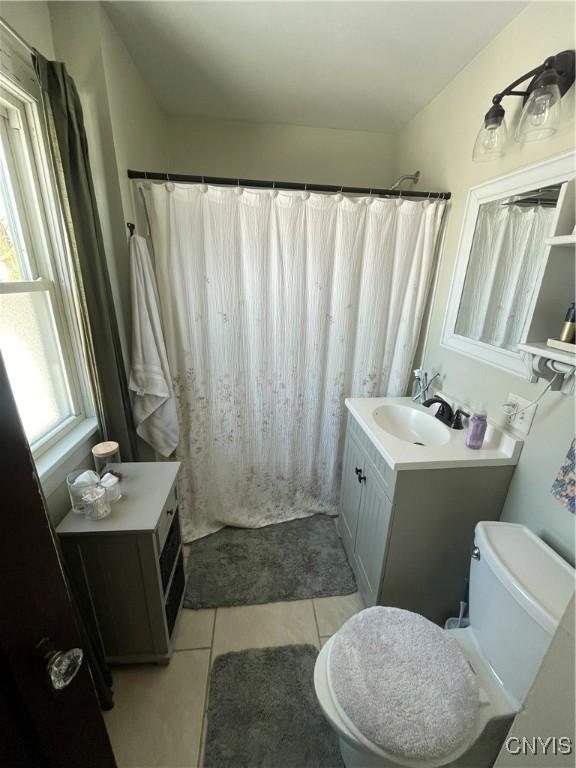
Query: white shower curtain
506	255
276	306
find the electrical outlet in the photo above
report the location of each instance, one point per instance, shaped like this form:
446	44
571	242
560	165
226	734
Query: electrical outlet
520	420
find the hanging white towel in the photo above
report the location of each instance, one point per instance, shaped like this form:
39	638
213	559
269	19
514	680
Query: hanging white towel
153	403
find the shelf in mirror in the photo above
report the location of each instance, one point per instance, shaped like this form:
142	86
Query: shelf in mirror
565	241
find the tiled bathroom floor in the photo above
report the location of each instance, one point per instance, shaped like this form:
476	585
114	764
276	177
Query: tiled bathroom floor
159	717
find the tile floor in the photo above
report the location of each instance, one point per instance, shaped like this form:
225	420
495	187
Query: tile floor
159	717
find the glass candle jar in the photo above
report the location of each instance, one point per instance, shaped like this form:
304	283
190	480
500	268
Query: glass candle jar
105	453
79	482
96	499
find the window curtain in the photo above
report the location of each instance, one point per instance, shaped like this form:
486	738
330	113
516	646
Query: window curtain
69	149
505	258
276	306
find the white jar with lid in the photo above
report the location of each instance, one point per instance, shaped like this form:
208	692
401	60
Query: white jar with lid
106	453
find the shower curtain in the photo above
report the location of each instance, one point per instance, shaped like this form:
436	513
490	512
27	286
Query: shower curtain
276	306
505	259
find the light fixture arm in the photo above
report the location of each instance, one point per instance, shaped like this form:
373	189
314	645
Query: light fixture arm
509	90
562	64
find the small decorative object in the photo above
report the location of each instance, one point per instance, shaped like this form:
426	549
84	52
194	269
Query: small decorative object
79	483
567	334
564	487
106	453
111	483
96	499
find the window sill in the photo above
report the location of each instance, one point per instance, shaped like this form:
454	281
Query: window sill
53	465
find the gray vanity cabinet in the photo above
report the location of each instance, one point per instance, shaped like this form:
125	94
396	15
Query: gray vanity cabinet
128	568
408	534
372	530
350	492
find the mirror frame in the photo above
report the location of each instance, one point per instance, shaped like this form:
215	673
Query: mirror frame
554	170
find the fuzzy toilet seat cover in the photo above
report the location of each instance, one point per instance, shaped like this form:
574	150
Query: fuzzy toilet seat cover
403	683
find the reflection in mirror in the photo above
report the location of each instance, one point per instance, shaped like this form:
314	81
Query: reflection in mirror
506	255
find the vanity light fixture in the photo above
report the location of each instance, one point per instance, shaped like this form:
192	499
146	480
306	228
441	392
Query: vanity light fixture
541	113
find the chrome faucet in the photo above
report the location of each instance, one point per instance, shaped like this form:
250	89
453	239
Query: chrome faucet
420	396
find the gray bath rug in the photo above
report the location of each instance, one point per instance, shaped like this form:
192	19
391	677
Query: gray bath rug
289	561
263	712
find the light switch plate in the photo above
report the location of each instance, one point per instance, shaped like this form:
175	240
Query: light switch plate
520	422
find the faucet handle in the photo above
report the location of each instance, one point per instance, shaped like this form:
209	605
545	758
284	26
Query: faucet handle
457	419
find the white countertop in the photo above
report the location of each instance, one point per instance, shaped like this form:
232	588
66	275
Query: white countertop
499	448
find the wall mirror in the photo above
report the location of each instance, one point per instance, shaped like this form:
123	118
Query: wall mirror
502	256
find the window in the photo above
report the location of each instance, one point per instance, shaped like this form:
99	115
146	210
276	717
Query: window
39	330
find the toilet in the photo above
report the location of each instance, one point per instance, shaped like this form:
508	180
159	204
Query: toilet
400	691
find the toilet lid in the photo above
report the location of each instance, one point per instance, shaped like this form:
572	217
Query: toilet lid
403	683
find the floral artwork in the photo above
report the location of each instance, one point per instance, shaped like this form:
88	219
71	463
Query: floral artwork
564	487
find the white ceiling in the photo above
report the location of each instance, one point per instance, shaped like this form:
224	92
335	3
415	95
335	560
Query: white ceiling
353	65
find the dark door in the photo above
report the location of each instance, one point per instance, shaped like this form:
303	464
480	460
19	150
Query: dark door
40	726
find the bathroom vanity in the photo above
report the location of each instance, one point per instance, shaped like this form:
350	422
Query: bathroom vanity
411	496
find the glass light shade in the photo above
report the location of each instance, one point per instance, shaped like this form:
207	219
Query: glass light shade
541	114
490	142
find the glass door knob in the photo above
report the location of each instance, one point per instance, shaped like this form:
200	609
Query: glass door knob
61	666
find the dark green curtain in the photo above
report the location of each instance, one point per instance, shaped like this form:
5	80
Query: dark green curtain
69	148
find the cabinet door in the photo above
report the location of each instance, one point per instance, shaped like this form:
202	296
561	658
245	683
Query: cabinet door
350	493
371	534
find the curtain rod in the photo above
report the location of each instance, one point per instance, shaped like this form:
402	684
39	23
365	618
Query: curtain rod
179	177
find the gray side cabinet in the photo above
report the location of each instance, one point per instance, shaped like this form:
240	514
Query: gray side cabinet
408	534
128	568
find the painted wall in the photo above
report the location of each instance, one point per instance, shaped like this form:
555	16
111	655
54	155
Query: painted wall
32	22
439	142
280	152
139	126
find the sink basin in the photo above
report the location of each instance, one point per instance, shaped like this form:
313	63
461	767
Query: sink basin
411	425
408	436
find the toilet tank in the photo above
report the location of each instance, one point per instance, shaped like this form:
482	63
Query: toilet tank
519	589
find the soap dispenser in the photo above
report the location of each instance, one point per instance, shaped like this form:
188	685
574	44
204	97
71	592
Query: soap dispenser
477	427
